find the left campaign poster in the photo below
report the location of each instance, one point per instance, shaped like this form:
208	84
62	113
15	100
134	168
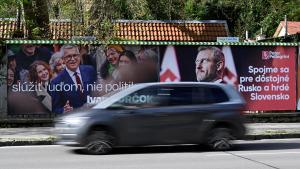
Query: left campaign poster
53	79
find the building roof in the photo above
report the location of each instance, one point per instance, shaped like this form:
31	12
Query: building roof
140	30
154	30
293	28
60	29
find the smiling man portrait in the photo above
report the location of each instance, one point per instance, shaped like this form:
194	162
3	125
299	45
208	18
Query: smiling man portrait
74	74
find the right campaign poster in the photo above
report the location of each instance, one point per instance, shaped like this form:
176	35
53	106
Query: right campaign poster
265	75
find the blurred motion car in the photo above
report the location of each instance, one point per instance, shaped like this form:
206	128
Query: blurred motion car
157	114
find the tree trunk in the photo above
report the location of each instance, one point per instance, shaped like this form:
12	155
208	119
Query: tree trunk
19	32
42	18
37	18
29	17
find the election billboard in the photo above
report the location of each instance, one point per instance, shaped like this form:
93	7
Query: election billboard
55	79
265	75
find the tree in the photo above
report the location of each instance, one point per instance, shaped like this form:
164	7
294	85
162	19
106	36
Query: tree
8	8
139	9
95	17
242	15
277	9
166	9
36	18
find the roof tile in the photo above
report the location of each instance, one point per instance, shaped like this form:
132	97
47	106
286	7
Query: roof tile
293	28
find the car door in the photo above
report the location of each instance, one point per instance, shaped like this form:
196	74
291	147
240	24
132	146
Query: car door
164	114
169	118
184	112
183	116
140	119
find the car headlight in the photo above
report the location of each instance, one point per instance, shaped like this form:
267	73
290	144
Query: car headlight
75	121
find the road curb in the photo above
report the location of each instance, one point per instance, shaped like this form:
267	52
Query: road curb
23	143
273	136
20	142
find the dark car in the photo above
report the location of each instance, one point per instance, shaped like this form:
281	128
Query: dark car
158	114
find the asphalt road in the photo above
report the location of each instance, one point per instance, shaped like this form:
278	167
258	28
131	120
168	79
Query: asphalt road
259	154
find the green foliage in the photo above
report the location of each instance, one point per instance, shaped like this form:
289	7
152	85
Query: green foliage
265	14
95	16
251	13
62	9
293	9
139	9
37	33
8	8
242	15
104	31
166	9
36	18
193	10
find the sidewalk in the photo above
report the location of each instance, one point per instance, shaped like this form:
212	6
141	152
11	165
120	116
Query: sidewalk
45	135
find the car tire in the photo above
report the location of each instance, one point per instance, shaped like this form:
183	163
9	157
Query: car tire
99	143
220	139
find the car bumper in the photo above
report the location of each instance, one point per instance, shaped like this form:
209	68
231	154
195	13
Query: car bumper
67	135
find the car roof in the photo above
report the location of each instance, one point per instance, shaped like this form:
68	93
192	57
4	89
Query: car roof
229	90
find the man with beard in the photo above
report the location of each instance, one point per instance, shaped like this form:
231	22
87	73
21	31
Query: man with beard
210	64
80	76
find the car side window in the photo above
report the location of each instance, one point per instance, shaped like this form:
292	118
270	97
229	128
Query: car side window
208	95
161	96
196	95
181	96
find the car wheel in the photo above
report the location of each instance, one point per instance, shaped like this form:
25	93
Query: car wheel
221	139
99	143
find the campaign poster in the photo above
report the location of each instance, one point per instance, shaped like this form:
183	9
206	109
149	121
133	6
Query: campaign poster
265	75
50	80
